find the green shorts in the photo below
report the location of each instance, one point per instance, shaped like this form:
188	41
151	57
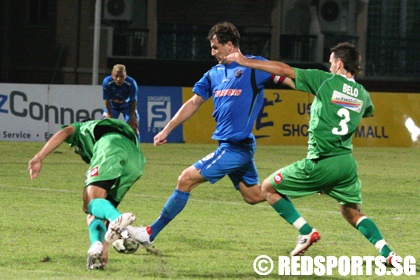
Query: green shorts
336	176
116	157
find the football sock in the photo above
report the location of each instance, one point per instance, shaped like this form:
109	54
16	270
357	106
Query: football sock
287	210
97	230
173	207
369	229
103	209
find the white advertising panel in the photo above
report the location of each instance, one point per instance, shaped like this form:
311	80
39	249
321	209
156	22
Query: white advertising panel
30	112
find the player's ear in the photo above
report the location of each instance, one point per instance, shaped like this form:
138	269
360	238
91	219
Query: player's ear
340	63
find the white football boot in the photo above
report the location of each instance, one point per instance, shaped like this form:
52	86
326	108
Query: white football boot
116	226
389	261
94	258
141	234
304	242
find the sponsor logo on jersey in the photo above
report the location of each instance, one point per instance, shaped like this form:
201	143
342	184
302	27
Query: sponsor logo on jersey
238	73
227	92
346	101
94	172
278	178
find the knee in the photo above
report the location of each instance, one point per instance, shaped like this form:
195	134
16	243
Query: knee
89	219
254	199
267	189
86	206
183	177
185	182
351	213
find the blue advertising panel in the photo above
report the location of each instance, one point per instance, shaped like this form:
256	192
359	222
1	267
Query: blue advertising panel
156	106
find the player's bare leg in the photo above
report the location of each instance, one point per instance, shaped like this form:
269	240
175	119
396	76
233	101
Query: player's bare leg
189	179
285	208
353	214
252	194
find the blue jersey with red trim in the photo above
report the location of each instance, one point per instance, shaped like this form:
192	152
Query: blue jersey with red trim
119	95
238	96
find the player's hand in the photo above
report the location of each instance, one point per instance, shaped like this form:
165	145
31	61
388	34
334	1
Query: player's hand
108	115
105	254
160	138
34	167
134	124
235	57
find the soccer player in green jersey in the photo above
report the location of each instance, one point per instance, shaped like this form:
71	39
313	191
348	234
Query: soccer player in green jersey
329	167
111	149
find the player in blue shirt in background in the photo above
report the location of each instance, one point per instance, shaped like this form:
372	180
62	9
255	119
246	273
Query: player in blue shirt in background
120	95
238	97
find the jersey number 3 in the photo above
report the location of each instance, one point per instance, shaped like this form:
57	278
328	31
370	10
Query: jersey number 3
343	129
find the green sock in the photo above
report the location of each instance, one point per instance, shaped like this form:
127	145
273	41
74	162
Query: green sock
287	210
103	209
97	231
369	229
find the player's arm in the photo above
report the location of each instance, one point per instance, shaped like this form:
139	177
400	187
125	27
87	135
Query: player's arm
133	107
107	98
184	113
133	122
105	249
35	164
289	83
270	66
108	108
283	80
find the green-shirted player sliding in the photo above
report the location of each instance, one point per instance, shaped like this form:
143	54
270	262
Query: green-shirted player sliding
111	149
339	105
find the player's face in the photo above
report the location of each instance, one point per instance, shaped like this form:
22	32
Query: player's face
118	77
218	50
334	64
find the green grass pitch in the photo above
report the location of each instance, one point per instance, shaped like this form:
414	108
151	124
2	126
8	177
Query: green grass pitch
217	236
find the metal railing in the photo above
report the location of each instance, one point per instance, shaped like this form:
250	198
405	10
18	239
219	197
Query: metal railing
393	57
296	47
129	42
189	42
385	56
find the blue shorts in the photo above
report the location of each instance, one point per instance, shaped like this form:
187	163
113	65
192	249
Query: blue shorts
124	110
236	161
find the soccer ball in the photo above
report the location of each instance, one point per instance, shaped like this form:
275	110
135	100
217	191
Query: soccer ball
126	244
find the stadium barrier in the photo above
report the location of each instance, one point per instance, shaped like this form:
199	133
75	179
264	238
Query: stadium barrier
32	112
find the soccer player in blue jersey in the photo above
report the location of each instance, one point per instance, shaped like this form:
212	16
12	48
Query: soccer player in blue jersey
340	104
237	94
120	95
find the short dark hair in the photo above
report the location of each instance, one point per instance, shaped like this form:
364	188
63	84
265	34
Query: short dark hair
350	57
225	32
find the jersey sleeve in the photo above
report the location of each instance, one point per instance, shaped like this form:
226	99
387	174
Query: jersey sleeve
133	90
309	80
203	86
369	107
105	89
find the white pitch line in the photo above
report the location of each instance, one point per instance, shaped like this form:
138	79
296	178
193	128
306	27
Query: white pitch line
263	205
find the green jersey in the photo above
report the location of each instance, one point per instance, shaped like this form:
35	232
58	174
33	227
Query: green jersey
336	111
88	133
